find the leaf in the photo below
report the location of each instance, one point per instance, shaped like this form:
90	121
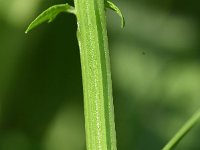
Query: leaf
50	14
113	7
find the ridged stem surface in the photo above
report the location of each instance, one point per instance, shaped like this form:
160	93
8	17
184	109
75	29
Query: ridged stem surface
96	74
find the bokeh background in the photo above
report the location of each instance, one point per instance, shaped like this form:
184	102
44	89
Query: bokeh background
155	69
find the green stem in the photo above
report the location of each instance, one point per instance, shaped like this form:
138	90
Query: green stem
183	131
97	86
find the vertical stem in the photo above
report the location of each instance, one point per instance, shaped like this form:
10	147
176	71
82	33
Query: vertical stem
97	85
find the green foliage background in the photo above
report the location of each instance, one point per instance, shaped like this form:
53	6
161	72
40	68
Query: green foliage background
155	63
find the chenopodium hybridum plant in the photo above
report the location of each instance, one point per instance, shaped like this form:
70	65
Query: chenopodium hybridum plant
95	64
96	74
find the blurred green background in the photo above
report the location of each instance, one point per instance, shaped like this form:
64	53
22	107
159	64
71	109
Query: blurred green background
155	69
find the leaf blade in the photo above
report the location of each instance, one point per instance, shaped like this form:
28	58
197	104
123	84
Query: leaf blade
113	7
50	14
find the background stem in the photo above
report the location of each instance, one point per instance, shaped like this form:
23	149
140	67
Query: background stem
183	131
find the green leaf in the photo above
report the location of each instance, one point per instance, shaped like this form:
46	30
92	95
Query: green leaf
50	14
113	7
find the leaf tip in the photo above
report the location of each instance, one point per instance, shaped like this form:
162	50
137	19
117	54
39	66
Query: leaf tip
49	15
123	22
113	7
27	30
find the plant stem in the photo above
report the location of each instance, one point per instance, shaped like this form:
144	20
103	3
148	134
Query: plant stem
96	74
183	131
